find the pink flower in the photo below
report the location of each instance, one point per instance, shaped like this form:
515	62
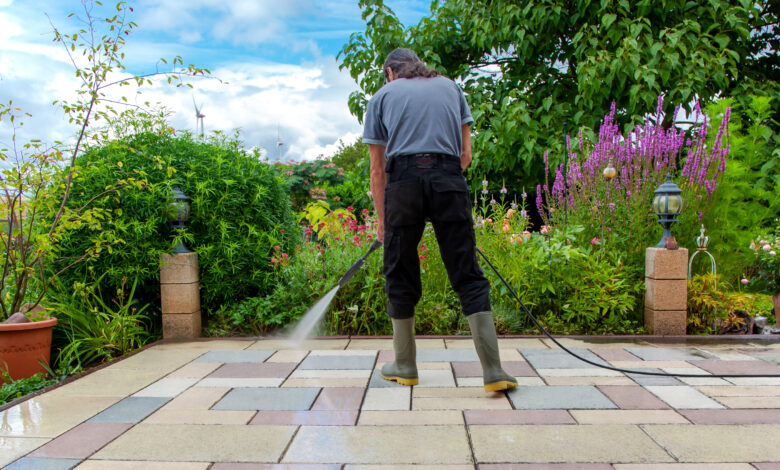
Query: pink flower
277	248
510	212
350	209
744	281
766	247
772	253
282	230
595	241
545	229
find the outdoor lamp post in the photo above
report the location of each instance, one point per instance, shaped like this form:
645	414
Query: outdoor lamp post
178	215
667	205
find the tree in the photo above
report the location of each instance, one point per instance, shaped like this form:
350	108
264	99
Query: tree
531	68
36	212
348	156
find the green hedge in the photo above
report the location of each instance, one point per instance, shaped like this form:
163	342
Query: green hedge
240	210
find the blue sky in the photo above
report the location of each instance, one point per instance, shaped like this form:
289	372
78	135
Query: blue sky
279	58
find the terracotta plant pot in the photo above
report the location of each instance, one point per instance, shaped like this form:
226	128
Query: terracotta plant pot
23	345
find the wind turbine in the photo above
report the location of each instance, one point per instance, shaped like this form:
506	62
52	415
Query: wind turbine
198	118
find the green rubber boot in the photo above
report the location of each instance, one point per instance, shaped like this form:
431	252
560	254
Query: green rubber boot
404	369
484	333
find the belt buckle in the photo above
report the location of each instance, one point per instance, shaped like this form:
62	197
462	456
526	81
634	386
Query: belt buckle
424	161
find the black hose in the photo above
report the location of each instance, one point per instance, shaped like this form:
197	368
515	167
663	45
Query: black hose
603	366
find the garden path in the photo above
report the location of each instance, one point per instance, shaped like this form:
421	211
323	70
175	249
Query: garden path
254	404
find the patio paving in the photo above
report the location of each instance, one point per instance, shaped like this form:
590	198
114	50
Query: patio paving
249	404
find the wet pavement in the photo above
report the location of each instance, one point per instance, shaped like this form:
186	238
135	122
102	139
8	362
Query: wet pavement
257	404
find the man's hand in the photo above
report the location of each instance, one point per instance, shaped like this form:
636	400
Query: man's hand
380	231
378	181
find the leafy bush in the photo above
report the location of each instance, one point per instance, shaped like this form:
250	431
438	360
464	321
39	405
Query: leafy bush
239	212
13	389
711	311
91	329
310	180
618	211
572	290
747	197
767	262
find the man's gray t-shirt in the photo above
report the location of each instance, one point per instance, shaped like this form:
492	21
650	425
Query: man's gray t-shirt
417	115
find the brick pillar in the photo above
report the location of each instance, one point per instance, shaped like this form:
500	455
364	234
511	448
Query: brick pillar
180	295
666	299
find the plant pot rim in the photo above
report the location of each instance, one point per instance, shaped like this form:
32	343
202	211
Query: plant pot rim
33	325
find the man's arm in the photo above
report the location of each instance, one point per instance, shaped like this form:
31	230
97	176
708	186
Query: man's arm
378	181
465	155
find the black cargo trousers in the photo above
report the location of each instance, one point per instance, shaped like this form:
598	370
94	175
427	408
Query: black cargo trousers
429	187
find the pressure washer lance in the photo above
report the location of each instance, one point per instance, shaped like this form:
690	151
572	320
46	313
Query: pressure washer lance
604	366
312	317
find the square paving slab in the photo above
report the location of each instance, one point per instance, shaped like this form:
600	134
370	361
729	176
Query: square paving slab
33	463
268	399
130	410
199	443
338	362
559	397
559	359
421	445
230	355
591	443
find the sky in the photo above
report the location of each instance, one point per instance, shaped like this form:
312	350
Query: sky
278	58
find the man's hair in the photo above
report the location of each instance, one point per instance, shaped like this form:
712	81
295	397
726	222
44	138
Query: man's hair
405	64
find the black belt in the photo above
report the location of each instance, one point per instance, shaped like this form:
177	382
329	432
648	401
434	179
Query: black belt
427	160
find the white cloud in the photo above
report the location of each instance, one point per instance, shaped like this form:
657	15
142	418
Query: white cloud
306	102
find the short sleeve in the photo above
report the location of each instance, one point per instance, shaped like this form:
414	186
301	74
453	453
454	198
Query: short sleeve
374	131
465	112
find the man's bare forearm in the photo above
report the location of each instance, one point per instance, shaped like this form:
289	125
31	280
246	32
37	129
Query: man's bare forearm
378	181
465	155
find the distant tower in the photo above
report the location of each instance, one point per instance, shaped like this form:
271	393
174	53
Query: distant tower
279	143
198	118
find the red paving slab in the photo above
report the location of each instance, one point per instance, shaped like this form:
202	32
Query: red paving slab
741	416
306	418
81	441
737	367
386	355
632	397
614	354
518	417
767	466
474	369
339	399
251	370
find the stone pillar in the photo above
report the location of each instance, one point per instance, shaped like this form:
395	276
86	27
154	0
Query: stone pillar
666	299
180	295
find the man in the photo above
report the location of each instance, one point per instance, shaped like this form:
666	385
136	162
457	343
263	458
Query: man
417	127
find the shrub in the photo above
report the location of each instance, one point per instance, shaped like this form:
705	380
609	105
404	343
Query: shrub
572	290
618	211
239	212
93	329
767	262
711	311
